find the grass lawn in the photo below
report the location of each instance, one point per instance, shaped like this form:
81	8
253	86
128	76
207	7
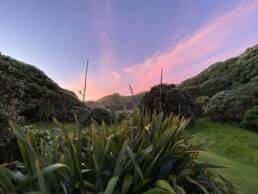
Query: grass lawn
233	147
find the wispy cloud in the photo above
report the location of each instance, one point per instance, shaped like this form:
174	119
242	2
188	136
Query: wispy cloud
106	79
189	56
104	25
197	50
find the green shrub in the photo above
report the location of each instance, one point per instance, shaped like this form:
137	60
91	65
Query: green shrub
223	75
214	85
3	117
169	100
98	115
122	116
41	98
202	103
250	119
102	115
231	105
8	146
146	154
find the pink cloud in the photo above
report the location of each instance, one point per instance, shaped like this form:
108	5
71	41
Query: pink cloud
103	13
116	75
193	51
102	82
183	60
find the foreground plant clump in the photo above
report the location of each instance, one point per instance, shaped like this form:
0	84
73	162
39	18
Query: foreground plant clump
146	154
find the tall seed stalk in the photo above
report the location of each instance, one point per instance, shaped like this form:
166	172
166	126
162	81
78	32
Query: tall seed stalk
160	91
85	81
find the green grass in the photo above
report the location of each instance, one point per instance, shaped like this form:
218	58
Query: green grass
229	145
226	145
51	125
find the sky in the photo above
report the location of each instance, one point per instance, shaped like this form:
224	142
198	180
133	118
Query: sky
125	41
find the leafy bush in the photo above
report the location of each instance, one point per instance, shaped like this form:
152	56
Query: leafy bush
3	117
10	110
231	105
208	87
214	85
146	154
202	102
194	91
172	101
98	115
101	114
250	119
41	97
232	86
8	146
122	116
241	69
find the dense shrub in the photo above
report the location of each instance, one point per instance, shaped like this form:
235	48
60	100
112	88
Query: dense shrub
173	100
208	87
241	69
98	115
250	119
227	83
102	115
3	117
10	110
146	154
214	85
41	98
231	105
202	103
194	91
8	146
122	116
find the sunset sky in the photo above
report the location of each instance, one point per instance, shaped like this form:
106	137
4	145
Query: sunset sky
126	41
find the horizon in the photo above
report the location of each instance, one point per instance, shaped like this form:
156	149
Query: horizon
125	42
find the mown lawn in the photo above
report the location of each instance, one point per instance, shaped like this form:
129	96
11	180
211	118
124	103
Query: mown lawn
233	147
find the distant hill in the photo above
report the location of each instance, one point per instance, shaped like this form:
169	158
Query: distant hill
29	91
116	102
232	86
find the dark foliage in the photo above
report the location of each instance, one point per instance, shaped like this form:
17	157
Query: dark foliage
202	103
250	119
172	101
209	87
98	115
239	70
231	105
40	98
102	115
122	116
231	85
9	150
